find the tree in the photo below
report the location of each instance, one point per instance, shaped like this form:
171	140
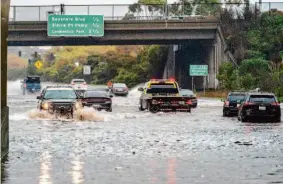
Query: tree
225	75
149	9
194	7
267	36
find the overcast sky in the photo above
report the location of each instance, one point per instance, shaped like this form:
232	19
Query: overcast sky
55	2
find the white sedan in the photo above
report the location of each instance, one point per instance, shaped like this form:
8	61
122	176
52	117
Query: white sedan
79	84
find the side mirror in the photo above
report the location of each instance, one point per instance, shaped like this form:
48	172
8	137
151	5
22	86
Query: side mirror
222	100
140	89
111	96
38	97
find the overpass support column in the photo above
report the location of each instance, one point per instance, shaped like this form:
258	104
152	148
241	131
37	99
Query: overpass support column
212	67
5	6
169	70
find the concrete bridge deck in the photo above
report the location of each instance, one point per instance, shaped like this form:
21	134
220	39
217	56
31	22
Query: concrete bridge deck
118	32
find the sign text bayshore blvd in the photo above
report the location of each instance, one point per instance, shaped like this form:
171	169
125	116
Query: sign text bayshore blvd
75	25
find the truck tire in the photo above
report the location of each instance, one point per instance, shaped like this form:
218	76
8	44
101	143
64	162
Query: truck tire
140	107
189	109
277	119
109	110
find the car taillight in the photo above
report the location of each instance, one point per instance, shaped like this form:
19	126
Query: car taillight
275	103
125	89
189	102
84	83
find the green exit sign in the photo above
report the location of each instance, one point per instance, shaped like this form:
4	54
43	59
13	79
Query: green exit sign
75	25
198	70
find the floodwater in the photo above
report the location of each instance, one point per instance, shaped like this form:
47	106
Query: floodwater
129	146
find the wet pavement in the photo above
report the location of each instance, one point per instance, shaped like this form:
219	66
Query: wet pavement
129	146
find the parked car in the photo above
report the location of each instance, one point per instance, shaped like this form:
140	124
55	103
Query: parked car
189	94
98	100
31	84
120	89
79	85
232	102
259	105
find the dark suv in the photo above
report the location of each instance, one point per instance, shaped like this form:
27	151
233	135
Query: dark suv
233	101
260	105
59	100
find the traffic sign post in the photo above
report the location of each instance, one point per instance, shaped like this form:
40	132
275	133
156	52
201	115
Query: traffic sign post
75	25
199	70
87	70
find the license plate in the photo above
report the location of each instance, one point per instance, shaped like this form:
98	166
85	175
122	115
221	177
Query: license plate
262	108
182	103
120	90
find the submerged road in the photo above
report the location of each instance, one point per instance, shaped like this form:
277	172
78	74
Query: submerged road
130	147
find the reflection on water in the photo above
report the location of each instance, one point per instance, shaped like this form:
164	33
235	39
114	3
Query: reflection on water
257	127
154	174
45	168
171	171
77	170
4	175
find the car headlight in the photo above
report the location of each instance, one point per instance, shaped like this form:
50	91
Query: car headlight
108	101
78	105
45	106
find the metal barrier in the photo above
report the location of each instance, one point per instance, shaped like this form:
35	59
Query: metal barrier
137	11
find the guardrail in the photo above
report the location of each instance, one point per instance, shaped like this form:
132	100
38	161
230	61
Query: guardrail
135	11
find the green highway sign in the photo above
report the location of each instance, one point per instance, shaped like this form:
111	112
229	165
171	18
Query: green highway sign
75	25
198	70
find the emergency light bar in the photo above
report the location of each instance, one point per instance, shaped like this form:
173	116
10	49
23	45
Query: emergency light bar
163	80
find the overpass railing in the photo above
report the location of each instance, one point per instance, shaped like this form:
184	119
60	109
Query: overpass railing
135	11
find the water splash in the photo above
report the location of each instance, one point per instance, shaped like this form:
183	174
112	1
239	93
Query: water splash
88	114
37	114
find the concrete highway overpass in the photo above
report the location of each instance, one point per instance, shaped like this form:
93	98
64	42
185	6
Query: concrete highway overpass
118	32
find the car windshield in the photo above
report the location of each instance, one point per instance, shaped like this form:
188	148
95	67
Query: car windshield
118	85
60	94
33	80
162	88
187	93
262	98
236	97
90	94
